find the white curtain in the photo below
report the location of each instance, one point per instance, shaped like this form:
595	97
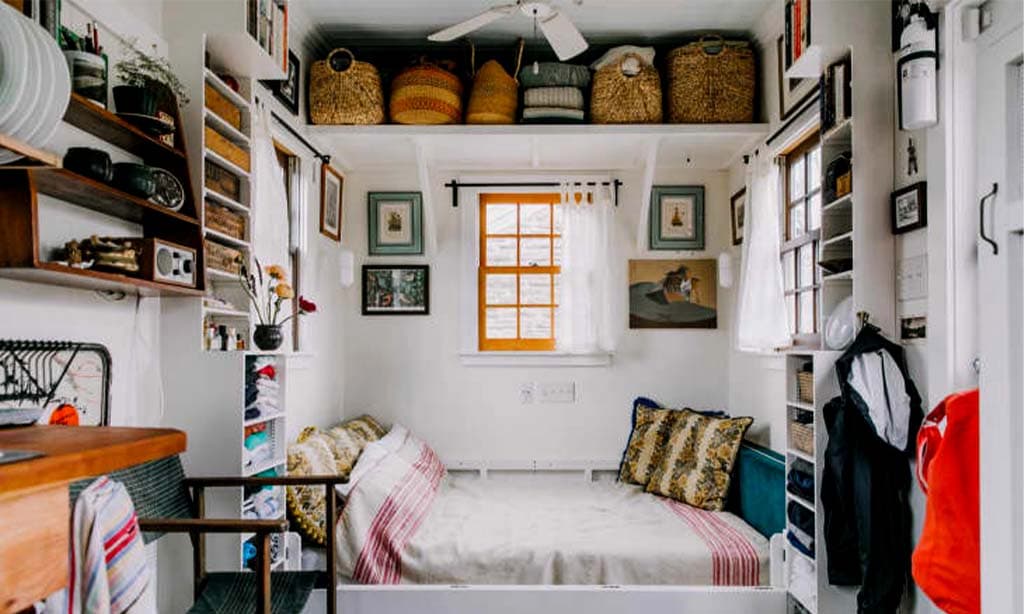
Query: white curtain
762	324
269	198
583	320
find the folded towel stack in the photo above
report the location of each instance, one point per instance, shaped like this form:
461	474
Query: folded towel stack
262	400
554	93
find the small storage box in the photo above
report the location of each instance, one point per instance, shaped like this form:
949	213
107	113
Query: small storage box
219	144
801	437
225	221
222	181
216	102
222	257
805	386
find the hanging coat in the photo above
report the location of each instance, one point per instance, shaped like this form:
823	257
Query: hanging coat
866	479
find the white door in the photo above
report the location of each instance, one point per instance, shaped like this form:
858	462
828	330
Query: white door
998	184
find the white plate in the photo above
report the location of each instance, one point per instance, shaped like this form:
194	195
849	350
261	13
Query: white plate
25	119
44	104
61	95
841	328
15	73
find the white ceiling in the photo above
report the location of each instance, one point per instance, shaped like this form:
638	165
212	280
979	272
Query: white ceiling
598	19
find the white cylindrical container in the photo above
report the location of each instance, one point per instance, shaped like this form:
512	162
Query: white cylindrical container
917	68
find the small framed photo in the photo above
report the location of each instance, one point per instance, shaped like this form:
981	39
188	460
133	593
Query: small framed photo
396	289
287	89
332	185
739	213
677	218
910	208
913	328
396	223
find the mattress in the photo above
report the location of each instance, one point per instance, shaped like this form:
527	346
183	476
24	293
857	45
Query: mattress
462	531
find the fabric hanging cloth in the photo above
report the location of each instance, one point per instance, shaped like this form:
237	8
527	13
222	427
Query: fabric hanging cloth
270	207
583	317
762	322
947	560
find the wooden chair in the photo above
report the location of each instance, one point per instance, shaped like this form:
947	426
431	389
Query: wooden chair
164	504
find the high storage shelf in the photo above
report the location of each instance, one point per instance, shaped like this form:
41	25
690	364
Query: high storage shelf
19	207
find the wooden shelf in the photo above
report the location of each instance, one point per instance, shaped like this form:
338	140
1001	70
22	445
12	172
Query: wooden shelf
62	275
220	199
108	126
100	197
216	83
224	239
34	157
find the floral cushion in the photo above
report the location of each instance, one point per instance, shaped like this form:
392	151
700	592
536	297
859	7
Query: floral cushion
646	443
698	458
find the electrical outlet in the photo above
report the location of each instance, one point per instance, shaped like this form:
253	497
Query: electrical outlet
527	392
556	392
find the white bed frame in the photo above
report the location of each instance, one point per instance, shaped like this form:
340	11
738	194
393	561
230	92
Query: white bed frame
537	599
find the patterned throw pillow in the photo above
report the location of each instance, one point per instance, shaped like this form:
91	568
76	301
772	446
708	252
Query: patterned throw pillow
698	459
646	443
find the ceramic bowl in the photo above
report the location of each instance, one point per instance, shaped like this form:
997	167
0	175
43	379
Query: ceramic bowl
136	179
92	163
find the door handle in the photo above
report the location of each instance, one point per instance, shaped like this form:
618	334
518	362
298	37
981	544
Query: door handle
981	222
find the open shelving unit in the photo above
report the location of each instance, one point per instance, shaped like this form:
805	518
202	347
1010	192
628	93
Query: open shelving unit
33	156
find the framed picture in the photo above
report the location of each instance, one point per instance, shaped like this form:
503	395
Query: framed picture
332	185
287	90
673	294
793	93
396	289
677	218
739	215
913	328
396	223
910	208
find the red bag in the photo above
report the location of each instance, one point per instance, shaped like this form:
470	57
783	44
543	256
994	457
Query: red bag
947	560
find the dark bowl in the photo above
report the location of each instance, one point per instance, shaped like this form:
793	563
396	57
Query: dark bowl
136	179
134	99
91	163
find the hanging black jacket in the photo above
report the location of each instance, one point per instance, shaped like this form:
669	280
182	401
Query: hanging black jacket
872	428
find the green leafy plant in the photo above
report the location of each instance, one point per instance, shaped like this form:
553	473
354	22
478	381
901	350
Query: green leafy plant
137	69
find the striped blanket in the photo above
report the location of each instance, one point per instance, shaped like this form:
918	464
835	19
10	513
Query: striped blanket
404	522
109	570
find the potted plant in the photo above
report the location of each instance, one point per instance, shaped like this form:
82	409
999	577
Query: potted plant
267	295
145	80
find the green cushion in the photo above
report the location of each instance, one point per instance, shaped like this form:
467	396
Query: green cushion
759	489
227	592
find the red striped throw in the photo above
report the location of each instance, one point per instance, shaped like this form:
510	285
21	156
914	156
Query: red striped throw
734	559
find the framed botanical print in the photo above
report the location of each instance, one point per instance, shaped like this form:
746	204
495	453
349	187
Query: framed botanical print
397	289
332	185
793	93
910	208
739	215
396	223
677	218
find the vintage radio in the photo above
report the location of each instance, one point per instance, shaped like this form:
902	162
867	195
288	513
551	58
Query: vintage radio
167	262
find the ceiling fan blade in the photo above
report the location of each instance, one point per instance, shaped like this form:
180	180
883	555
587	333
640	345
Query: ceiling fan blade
473	23
563	36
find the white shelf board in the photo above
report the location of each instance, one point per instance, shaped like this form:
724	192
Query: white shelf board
800	500
800	405
840	134
225	129
276	462
227	164
219	275
228	240
241	56
220	199
234	97
260	419
843	276
846	236
842	203
801	455
226	313
813	61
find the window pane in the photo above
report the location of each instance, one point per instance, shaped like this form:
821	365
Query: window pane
558	251
796	221
814	169
501	290
815	212
796	179
535	289
501	252
558	219
534	219
789	270
501	219
500	323
806	257
791	308
534	252
535	323
558	288
806	312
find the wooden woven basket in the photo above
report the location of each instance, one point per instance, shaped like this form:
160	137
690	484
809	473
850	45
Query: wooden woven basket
711	81
222	257
345	91
219	144
805	386
494	98
618	98
426	94
224	220
801	437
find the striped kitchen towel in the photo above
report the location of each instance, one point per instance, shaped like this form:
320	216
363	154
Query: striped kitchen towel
558	97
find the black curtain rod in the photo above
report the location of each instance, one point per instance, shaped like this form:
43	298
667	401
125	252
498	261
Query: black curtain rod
287	126
455	186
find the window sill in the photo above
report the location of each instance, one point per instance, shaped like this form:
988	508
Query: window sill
534	359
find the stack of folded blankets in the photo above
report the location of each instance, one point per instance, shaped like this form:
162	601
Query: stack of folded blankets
262	390
554	93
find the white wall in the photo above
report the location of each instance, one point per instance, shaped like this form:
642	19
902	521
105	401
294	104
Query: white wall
407	368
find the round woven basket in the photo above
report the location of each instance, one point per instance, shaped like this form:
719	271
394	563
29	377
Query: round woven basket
711	81
345	91
426	94
494	98
619	98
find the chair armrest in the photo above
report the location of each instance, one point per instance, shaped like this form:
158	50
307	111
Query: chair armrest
284	480
212	525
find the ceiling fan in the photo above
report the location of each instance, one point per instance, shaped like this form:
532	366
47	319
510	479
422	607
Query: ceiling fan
562	35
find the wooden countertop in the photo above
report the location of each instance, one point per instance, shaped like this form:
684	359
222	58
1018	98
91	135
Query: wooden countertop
75	452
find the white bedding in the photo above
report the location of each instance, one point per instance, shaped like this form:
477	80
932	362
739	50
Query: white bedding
405	521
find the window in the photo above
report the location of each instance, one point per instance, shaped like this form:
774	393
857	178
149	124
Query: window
801	275
290	167
520	244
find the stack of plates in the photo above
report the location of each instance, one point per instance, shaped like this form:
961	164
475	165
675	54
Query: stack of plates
34	83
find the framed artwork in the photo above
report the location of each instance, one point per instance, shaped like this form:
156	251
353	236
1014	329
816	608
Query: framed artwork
287	89
913	328
910	208
396	289
793	93
673	294
396	223
332	185
677	218
739	215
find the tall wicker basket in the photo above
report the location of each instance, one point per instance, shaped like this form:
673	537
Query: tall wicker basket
711	81
619	98
426	94
344	91
495	94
